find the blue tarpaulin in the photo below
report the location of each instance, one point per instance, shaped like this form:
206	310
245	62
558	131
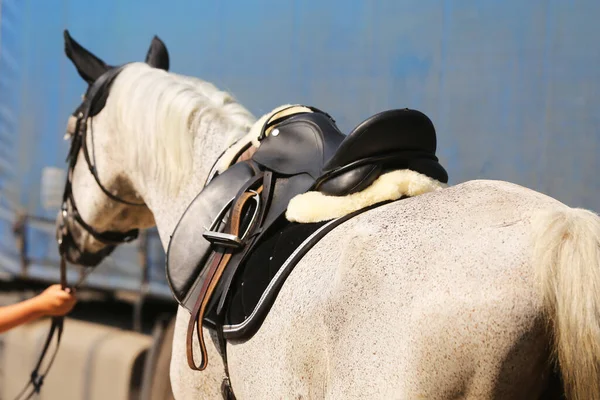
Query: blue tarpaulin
512	87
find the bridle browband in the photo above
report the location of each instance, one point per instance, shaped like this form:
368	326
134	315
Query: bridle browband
93	103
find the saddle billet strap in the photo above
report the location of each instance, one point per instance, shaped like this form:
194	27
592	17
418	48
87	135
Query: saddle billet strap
36	380
218	264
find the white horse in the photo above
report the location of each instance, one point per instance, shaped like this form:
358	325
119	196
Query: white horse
465	292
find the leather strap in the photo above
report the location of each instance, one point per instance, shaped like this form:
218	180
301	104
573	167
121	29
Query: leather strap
215	271
36	379
266	193
195	320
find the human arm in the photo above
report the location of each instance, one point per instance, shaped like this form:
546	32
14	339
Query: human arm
51	302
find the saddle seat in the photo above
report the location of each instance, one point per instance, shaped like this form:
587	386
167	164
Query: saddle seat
238	209
394	139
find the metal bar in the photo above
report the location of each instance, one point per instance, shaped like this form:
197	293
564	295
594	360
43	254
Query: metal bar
158	337
20	233
145	281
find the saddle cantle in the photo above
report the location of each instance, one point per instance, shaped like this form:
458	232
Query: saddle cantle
236	224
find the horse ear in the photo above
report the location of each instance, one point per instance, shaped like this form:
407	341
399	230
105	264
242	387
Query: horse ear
158	56
88	65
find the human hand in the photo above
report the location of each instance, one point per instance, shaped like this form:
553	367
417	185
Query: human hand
55	301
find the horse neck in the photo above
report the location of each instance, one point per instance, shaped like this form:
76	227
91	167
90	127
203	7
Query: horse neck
167	208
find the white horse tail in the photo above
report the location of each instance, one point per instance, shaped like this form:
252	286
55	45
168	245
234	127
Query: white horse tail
567	265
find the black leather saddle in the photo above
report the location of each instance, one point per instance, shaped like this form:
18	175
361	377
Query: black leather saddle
293	155
303	152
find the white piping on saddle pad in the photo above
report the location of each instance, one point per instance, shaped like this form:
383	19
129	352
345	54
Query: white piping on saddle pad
276	278
317	207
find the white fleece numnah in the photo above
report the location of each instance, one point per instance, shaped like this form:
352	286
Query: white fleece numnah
316	206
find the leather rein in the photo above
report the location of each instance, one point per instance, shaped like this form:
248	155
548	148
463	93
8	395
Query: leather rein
91	106
93	103
110	238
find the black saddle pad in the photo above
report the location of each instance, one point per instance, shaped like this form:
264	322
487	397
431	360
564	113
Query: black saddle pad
262	266
259	280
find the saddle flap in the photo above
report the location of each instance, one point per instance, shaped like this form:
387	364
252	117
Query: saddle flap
301	144
188	249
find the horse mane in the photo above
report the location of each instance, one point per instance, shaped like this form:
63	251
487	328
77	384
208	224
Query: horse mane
165	111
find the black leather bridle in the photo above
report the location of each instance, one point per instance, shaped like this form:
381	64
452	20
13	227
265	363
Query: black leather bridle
93	103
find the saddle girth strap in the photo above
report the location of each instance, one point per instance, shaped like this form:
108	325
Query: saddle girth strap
220	260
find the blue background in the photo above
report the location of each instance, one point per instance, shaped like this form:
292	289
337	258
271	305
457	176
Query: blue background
511	86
